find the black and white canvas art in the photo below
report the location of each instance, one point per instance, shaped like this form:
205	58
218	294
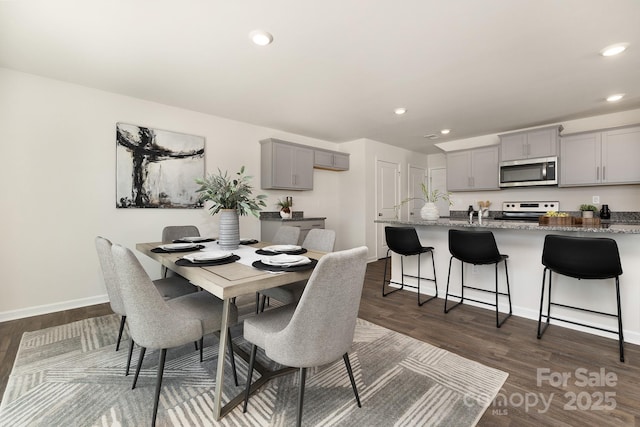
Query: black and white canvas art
157	168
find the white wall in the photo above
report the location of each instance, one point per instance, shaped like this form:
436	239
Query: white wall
619	198
58	187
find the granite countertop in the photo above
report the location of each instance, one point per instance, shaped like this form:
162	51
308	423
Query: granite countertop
612	227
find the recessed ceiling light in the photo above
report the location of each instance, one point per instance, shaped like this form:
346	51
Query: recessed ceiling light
261	38
614	49
400	111
445	131
616	97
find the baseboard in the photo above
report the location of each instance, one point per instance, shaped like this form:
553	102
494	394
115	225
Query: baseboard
51	308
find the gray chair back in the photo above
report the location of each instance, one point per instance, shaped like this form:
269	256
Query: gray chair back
152	323
103	247
322	327
319	239
286	235
175	232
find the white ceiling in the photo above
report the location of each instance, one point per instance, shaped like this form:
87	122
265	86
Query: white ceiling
337	68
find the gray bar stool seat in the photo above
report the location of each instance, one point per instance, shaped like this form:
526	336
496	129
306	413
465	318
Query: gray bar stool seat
477	248
581	258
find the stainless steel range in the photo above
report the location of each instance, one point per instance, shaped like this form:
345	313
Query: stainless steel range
527	211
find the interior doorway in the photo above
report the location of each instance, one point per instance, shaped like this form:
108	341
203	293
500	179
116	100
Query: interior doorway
387	198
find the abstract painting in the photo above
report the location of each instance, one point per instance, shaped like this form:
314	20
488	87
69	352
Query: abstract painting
157	168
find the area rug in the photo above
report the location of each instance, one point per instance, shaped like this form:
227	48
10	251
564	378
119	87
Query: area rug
71	375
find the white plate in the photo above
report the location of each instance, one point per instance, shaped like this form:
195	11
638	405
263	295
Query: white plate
177	246
284	260
282	248
193	239
207	256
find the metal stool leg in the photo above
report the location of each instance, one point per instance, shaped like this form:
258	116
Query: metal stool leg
446	297
620	333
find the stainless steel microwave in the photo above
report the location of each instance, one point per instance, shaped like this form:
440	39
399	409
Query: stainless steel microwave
529	172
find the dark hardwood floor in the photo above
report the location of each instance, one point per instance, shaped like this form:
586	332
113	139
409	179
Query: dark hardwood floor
532	395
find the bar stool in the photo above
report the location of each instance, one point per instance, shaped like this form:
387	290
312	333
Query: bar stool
581	258
405	242
477	248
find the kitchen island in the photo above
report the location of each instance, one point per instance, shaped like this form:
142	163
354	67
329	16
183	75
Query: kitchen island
523	242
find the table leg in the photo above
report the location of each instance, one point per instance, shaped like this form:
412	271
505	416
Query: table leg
222	351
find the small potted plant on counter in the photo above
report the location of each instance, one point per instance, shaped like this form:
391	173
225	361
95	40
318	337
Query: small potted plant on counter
285	207
588	210
429	211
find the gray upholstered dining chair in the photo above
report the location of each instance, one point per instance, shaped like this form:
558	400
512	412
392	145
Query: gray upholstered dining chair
158	324
286	235
320	329
175	232
318	239
170	287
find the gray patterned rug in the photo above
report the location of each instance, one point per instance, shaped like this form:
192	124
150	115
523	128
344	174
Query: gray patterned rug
71	376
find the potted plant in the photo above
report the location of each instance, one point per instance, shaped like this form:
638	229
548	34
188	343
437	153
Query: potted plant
429	211
232	197
285	207
588	210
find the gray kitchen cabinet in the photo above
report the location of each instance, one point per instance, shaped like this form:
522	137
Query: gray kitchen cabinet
542	142
605	157
471	170
285	165
268	228
332	160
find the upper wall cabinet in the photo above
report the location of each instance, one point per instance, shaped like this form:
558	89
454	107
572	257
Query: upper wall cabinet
285	165
604	157
542	142
332	160
471	170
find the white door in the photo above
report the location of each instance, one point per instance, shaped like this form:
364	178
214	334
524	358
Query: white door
387	178
438	181
417	176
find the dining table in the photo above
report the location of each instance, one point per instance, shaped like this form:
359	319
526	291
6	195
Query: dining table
228	281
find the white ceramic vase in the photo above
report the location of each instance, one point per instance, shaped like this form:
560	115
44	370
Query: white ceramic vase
285	215
429	212
229	230
587	214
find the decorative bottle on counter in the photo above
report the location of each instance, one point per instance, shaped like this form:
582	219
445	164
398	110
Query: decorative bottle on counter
605	213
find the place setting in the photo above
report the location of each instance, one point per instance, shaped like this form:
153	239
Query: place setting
285	263
177	247
194	239
281	249
207	259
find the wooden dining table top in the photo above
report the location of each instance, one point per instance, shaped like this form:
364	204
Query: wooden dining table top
228	280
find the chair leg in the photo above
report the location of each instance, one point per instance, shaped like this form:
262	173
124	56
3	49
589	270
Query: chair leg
303	378
421	303
122	320
446	296
232	357
163	355
201	347
263	300
126	372
498	322
620	334
141	357
384	277
257	302
247	389
540	329
347	363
